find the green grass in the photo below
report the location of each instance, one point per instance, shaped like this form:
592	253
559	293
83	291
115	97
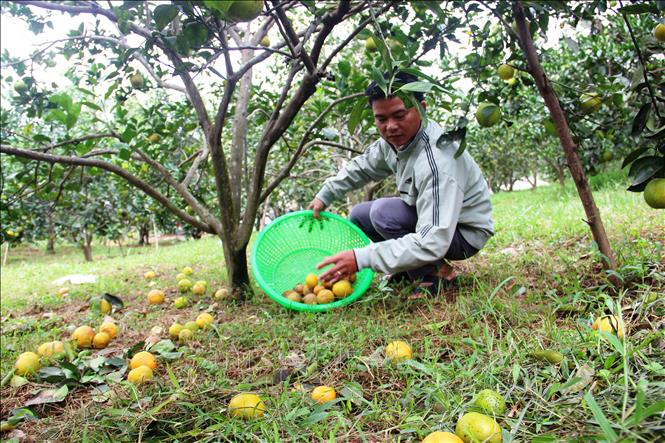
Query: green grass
537	285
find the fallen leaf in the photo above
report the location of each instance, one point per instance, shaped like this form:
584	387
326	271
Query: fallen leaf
49	396
583	376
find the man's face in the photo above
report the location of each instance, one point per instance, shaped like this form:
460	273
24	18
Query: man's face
397	123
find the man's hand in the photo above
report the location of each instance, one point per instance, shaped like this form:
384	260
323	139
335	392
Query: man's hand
344	265
316	205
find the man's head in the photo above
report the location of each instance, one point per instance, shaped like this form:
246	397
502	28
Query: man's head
397	122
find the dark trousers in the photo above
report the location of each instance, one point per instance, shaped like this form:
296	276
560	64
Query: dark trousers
388	218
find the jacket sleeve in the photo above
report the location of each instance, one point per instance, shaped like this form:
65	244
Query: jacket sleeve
367	167
438	213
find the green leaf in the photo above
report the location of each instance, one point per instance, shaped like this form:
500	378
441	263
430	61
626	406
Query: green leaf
642	8
353	392
63	100
92	105
462	147
116	362
614	341
57	115
21	414
385	55
657	134
196	34
125	154
40	138
418	73
644	168
128	134
114	300
600	417
356	114
377	76
641	414
135	348
172	377
52	374
164	14
182	45
73	115
633	156
640	120
162	347
344	68
419	86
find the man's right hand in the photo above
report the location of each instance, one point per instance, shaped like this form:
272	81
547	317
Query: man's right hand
316	205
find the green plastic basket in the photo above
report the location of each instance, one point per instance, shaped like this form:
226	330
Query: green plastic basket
292	245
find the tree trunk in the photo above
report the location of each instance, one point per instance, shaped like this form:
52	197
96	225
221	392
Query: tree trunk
558	170
87	246
50	243
570	148
236	269
239	147
144	234
533	183
561	176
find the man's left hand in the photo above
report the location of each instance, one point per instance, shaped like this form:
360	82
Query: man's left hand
344	265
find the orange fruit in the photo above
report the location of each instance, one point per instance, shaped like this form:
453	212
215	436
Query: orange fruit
398	351
143	358
342	288
83	336
101	340
110	328
476	427
140	375
26	364
155	297
323	394
442	437
246	406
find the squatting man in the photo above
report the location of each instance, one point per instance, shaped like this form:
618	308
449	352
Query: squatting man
443	211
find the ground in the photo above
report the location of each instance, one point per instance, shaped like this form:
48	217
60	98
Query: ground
537	285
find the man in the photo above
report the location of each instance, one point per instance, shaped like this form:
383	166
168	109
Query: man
443	211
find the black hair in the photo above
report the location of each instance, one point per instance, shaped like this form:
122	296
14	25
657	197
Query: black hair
374	91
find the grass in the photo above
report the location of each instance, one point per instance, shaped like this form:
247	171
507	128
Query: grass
537	285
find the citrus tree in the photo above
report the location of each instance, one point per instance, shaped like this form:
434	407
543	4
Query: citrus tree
186	50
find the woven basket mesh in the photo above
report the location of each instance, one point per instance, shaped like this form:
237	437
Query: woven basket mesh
291	246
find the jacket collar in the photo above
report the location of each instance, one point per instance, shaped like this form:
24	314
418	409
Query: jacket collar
410	147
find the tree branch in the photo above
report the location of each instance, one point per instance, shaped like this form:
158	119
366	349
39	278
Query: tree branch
184	193
565	136
330	20
644	69
299	49
60	188
95	163
79	140
198	158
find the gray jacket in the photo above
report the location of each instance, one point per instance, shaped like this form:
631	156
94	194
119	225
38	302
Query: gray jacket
447	192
